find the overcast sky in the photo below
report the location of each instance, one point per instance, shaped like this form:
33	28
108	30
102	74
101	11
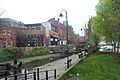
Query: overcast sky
37	11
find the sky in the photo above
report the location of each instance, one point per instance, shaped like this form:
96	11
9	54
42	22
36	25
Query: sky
37	11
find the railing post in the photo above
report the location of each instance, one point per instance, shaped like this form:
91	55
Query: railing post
15	72
46	75
5	78
38	77
55	75
34	75
15	75
25	75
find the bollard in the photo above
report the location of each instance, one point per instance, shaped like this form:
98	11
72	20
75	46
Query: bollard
46	75
38	77
34	74
68	65
5	78
15	75
55	75
25	75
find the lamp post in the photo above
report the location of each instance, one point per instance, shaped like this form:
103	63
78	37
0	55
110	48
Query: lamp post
66	24
84	36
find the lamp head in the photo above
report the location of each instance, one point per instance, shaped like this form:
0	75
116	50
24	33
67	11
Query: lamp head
61	15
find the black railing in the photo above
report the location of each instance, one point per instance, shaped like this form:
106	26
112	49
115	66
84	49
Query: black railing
36	74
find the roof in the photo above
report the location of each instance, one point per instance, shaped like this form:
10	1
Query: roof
9	20
32	25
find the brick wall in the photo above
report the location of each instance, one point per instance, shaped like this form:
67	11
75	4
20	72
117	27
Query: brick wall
7	36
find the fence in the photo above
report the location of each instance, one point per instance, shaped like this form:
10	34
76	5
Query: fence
35	74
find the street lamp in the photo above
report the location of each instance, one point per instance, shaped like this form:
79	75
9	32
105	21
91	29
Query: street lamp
84	36
66	24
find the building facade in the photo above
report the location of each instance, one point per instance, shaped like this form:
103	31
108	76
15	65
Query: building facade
17	34
8	28
31	35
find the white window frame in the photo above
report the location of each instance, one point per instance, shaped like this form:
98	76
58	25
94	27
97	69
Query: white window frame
9	32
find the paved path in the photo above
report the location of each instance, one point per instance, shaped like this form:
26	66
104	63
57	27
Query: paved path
59	65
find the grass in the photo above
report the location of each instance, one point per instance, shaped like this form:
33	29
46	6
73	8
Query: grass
96	67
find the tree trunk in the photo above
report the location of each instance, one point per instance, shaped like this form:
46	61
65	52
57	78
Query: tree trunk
118	47
114	47
96	45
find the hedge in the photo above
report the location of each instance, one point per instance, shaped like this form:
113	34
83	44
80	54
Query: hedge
7	54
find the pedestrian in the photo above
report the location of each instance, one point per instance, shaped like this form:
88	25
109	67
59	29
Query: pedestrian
79	55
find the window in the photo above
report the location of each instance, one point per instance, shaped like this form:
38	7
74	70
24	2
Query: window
9	32
43	28
38	27
56	40
9	43
4	32
4	43
55	29
51	39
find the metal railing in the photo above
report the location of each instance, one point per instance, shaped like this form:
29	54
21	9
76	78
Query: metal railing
35	74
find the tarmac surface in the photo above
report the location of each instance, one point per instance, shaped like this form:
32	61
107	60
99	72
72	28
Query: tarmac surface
60	66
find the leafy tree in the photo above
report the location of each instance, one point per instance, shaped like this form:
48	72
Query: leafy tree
107	21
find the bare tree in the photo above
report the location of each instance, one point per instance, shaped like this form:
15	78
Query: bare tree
2	11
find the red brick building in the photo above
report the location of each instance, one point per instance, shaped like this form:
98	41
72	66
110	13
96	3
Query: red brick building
17	34
57	31
9	29
31	35
41	34
6	39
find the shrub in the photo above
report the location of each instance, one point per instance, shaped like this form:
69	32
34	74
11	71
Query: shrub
10	53
38	51
7	54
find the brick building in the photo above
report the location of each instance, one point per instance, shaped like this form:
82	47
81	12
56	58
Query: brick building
41	34
57	31
31	35
17	34
8	28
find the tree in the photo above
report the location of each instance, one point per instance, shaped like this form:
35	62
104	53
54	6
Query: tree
107	21
93	35
2	11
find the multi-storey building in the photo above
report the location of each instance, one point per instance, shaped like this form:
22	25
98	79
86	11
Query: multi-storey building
14	33
8	28
31	35
57	31
41	34
54	31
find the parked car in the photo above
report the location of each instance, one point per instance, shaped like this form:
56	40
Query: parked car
106	48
